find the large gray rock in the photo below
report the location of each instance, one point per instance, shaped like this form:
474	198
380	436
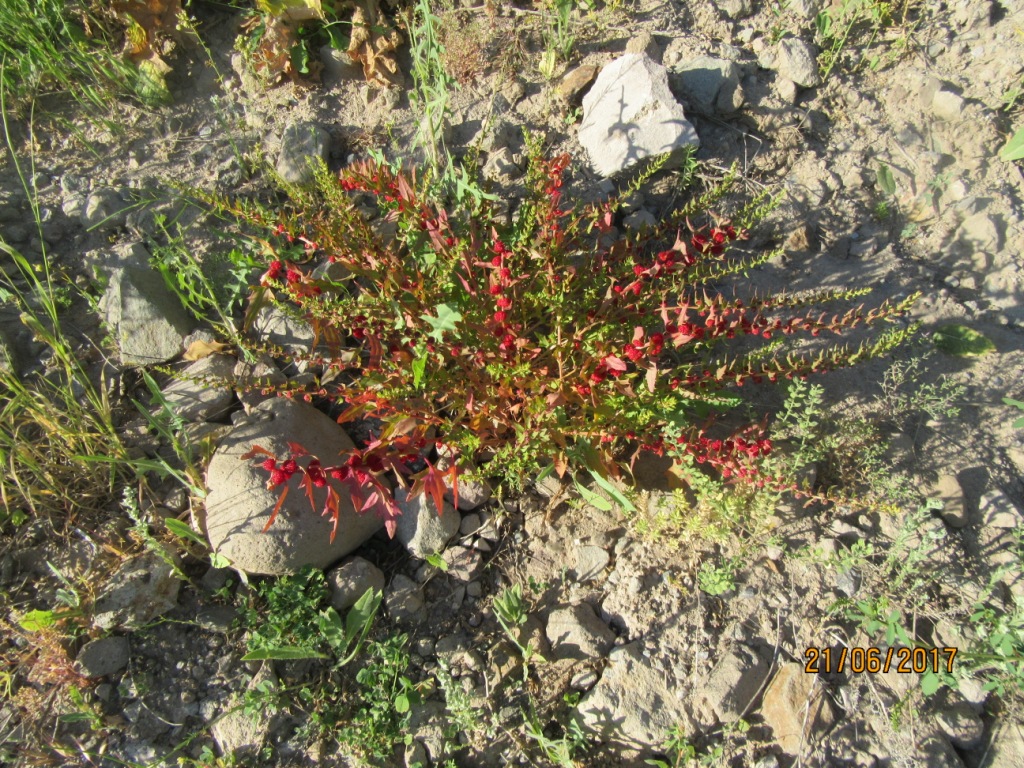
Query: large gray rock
421	530
798	61
632	706
735	681
577	633
712	85
796	708
102	657
301	144
630	114
275	326
238	503
195	396
148	321
136	593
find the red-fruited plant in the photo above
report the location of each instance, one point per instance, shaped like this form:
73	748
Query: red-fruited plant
555	341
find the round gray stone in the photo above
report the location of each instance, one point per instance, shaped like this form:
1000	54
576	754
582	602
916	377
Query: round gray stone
239	505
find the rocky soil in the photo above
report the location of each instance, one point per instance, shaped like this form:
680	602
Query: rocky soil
635	645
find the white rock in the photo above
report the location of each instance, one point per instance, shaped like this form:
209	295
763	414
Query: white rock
630	113
797	61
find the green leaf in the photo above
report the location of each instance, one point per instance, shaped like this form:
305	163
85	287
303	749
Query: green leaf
614	492
401	703
1019	423
34	621
332	629
445	321
961	341
885	179
419	365
217	560
592	498
1014	149
438	562
929	683
283	653
183	531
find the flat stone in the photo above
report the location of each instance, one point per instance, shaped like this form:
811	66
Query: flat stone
464	563
947	106
350	581
195	396
104	209
251	379
575	80
797	60
577	633
421	530
796	708
470	524
954	508
148	321
237	733
734	682
1007	746
239	505
736	9
103	657
136	593
632	706
301	143
217	618
275	326
997	511
630	113
711	85
590	562
404	599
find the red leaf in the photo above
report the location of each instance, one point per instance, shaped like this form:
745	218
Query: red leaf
615	363
652	376
638	333
257	451
371	501
277	507
297	450
433	484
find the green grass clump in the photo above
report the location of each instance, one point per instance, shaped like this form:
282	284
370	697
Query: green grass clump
60	46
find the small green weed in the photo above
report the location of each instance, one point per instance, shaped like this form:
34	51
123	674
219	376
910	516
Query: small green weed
559	41
386	695
716	580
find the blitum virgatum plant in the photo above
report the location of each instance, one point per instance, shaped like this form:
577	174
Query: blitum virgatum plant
556	342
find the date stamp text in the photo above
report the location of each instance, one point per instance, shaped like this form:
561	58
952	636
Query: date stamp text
874	660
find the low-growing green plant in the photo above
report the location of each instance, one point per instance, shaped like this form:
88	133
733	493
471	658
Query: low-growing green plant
554	341
716	580
290	623
558	39
55	46
431	82
386	695
857	24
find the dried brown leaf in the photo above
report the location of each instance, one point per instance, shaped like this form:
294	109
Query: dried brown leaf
373	44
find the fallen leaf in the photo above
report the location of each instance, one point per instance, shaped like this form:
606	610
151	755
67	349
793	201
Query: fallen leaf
373	44
197	350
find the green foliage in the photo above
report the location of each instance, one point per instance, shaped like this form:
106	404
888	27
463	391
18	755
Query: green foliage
558	39
386	695
716	580
1019	423
431	82
1014	149
549	341
289	623
54	46
854	25
961	341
